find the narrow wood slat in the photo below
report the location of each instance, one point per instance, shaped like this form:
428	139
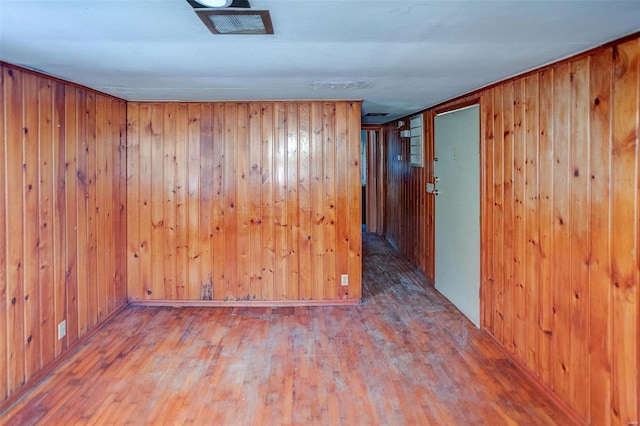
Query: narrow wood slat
137	139
499	215
509	288
561	372
219	197
230	201
488	282
305	243
292	215
280	276
103	250
169	208
194	252
157	199
243	217
71	196
59	202
254	183
600	242
342	213
579	230
532	207
4	367
181	231
206	196
317	195
546	218
267	260
31	131
82	213
92	255
354	194
519	231
329	202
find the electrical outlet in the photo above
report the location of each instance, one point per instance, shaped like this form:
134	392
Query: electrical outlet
62	329
345	280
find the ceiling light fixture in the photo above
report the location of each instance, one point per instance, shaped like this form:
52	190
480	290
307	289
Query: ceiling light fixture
219	4
215	3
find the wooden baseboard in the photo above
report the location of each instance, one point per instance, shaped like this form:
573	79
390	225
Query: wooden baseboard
244	303
40	375
538	383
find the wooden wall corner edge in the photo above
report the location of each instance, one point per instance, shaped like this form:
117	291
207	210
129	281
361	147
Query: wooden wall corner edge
15	397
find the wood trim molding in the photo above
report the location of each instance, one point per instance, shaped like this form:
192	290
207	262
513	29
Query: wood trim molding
535	380
244	303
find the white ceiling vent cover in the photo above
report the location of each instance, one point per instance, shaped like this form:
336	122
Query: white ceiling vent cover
237	21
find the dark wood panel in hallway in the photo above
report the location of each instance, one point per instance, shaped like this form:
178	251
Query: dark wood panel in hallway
404	356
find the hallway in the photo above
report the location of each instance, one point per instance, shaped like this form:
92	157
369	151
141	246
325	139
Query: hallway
403	356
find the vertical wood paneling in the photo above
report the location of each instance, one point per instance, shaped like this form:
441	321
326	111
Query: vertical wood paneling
580	273
267	200
560	214
407	215
624	232
48	257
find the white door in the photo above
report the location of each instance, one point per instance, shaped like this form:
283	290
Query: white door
457	239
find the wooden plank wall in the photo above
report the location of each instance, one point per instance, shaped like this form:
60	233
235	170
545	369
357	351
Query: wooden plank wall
408	221
559	216
251	201
560	231
62	245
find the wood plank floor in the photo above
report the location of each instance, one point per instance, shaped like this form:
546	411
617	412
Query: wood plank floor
404	356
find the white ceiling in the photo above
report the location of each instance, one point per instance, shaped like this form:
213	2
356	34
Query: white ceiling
397	56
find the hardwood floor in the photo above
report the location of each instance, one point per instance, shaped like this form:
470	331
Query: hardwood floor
404	356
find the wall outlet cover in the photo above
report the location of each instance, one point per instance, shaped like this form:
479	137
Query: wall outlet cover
62	329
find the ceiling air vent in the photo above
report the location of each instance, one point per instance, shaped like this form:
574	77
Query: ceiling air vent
376	114
227	21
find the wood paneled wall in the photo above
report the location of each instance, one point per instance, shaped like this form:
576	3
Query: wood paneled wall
62	216
560	234
408	209
560	171
256	201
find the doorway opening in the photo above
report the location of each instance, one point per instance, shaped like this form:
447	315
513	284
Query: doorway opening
372	180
